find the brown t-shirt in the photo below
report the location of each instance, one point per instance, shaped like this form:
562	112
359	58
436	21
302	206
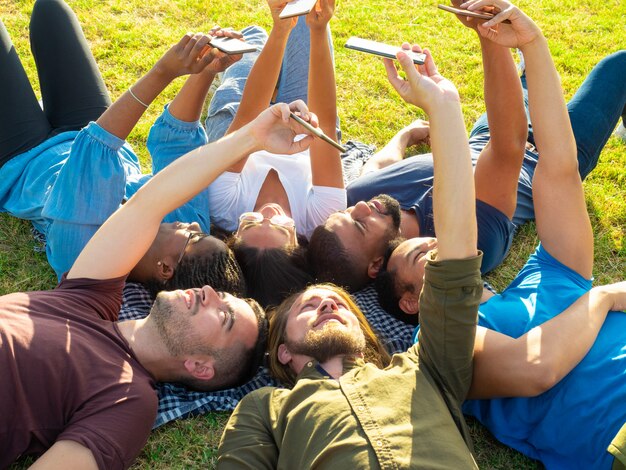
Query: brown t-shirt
68	374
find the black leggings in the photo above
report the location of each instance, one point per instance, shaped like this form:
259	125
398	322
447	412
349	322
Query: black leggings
72	88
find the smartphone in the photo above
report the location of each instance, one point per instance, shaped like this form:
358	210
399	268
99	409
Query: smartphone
232	45
472	14
297	8
317	132
383	50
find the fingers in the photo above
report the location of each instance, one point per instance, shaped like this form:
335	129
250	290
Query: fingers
412	74
392	74
300	108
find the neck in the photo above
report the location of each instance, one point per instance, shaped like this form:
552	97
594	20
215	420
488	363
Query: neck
146	343
409	227
334	366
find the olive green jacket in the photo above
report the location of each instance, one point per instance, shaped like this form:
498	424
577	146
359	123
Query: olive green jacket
407	415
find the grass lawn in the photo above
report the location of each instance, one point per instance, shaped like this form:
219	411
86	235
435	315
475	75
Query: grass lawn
128	36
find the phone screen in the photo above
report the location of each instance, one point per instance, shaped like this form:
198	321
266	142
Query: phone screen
381	49
297	8
232	45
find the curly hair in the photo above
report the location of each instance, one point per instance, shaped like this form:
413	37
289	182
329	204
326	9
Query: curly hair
375	352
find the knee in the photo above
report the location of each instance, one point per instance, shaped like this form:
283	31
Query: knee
615	62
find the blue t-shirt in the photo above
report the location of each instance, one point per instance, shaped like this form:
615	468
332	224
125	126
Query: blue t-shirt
410	182
70	184
571	425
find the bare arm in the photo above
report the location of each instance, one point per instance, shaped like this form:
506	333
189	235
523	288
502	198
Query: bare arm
187	105
261	82
125	237
66	455
322	96
183	58
557	190
536	361
454	208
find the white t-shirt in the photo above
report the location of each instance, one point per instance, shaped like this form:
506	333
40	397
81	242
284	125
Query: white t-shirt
231	194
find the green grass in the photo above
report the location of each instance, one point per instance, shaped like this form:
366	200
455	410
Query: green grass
128	36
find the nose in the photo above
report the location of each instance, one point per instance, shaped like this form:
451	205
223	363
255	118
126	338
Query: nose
360	209
207	294
327	305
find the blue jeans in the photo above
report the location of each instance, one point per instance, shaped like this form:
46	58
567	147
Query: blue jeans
594	112
292	82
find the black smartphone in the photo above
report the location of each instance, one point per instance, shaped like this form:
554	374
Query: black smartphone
383	50
472	14
232	45
317	132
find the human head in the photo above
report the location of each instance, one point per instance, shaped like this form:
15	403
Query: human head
349	248
219	338
271	274
268	227
296	318
183	257
400	281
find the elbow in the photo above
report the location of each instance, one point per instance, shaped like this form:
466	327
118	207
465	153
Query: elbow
542	377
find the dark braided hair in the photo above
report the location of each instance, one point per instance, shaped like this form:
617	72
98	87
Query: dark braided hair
218	269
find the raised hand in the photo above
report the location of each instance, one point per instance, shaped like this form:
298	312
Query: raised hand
520	32
276	6
274	131
188	56
424	86
220	60
321	14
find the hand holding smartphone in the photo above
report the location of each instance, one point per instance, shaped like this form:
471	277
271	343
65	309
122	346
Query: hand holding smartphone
297	8
232	45
316	131
383	50
472	14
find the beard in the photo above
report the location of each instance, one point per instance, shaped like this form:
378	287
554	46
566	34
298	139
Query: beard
392	209
175	329
330	341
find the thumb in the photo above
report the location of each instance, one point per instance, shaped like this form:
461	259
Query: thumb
412	75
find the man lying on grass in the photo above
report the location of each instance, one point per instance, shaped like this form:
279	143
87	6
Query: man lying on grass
78	387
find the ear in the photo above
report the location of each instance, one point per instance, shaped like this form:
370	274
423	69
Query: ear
374	266
165	269
284	355
200	369
409	303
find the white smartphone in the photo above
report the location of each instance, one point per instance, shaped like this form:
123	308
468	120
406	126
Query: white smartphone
317	132
383	50
297	8
232	45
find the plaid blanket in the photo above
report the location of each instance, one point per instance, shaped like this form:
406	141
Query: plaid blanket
176	401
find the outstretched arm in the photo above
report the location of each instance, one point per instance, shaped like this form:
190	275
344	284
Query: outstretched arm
558	196
536	361
454	208
186	57
125	237
322	97
452	287
187	105
261	83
